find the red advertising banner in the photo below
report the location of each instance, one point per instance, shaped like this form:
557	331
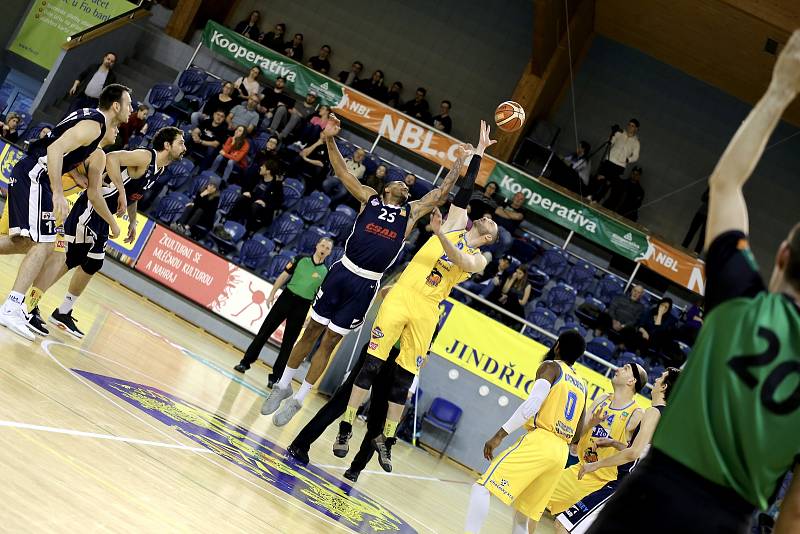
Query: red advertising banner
207	279
675	265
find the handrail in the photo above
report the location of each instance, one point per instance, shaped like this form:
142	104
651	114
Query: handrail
107	26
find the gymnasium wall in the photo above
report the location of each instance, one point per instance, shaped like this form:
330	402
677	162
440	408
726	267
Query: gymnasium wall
686	125
466	51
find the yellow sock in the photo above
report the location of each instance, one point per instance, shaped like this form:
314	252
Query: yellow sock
390	429
349	415
33	297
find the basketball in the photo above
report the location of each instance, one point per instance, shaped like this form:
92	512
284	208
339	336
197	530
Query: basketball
509	116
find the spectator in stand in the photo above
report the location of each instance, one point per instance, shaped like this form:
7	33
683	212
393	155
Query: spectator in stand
509	216
313	161
657	331
393	96
351	77
294	48
9	129
622	317
698	225
418	108
626	196
579	162
377	179
624	149
201	211
249	27
485	283
208	136
515	293
44	132
410	179
374	86
234	152
272	99
442	121
270	152
274	39
249	86
334	187
320	62
137	124
256	206
86	88
483	202
295	115
694	321
223	100
244	115
315	125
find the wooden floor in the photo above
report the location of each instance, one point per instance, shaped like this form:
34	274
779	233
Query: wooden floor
141	427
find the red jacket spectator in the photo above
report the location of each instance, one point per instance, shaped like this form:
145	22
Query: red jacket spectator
239	155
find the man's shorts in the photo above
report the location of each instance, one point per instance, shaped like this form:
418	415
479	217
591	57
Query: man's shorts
579	517
30	201
526	473
343	299
85	225
404	315
571	490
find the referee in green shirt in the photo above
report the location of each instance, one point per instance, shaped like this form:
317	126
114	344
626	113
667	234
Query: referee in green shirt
304	276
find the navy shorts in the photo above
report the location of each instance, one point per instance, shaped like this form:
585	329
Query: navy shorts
343	299
30	202
85	226
579	517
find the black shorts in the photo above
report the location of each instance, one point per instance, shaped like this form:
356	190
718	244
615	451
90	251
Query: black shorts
84	226
580	516
343	299
30	202
663	496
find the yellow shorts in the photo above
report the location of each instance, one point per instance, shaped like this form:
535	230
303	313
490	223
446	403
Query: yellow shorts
526	473
4	219
570	490
406	316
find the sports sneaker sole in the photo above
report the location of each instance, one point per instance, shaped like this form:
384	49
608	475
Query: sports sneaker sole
25	333
38	332
62	326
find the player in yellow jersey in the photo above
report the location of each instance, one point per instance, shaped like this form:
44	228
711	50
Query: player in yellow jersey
526	473
410	312
611	417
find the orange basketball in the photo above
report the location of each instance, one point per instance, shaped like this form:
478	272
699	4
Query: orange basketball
509	116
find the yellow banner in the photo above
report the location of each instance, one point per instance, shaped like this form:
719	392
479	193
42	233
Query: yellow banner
500	355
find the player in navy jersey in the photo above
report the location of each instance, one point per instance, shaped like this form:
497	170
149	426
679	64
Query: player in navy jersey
579	517
87	231
37	206
341	303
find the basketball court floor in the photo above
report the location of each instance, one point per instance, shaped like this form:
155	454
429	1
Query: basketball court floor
143	426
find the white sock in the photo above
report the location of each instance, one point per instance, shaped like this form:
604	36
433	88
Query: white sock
478	508
286	377
303	391
69	302
520	523
14	300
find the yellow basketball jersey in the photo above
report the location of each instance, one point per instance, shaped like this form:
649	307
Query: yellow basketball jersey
68	182
614	427
561	410
430	273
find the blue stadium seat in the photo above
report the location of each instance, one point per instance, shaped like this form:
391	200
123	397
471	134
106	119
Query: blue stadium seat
307	242
255	252
584	317
292	192
344	208
257	142
561	299
553	261
314	207
170	207
544	319
286	228
335	255
276	264
654	372
346	148
572	326
32	133
179	173
524	250
338	223
537	278
228	197
420	188
209	88
602	347
609	287
581	276
200	182
444	416
394	174
137	141
371	162
156	121
191	81
162	95
235	233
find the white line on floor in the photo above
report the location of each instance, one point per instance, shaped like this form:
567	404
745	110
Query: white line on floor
413	477
70	432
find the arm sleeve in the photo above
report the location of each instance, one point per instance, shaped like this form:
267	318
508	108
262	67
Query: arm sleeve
292	265
731	270
465	192
530	407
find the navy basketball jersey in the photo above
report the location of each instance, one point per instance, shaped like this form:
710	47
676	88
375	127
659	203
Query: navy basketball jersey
135	187
624	469
377	236
38	148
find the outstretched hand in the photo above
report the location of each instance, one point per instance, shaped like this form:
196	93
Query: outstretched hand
332	127
485	140
463	151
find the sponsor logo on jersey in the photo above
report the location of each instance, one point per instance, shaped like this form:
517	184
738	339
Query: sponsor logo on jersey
590	455
48	216
373	345
374	202
377	229
377	333
434	278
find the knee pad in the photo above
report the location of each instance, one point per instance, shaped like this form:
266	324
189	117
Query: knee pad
76	254
91	265
369	371
400	385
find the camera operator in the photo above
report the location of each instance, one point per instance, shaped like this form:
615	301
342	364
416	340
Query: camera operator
623	149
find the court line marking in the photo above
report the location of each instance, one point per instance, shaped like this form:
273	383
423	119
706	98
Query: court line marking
110	437
214	367
400	475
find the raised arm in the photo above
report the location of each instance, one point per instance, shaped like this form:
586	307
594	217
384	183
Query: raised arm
471	263
438	196
79	135
727	209
360	191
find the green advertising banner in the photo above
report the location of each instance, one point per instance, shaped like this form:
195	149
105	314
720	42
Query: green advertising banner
570	213
299	78
50	22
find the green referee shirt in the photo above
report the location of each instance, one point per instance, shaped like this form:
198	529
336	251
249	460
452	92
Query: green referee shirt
307	276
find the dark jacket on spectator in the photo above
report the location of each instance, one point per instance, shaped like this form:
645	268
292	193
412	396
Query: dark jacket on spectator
244	28
625	310
87	74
